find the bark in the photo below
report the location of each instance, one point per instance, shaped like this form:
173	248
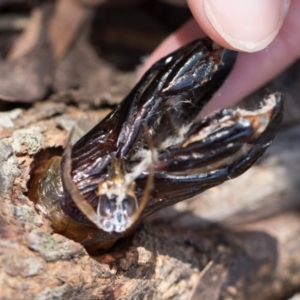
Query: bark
237	241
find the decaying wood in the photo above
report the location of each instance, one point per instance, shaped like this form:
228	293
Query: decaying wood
236	241
32	59
175	254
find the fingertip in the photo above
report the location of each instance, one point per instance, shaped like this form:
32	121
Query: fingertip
248	25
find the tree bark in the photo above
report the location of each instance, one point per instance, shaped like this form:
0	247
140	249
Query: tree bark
237	241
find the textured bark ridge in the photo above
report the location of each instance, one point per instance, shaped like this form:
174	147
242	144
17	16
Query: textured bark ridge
237	241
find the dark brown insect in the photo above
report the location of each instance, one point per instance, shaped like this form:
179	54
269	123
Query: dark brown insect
151	152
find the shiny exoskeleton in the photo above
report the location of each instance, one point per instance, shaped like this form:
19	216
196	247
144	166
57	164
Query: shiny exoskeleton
151	151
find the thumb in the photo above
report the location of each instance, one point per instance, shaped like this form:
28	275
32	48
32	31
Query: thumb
246	25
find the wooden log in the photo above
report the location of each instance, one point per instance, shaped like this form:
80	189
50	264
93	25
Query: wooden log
238	241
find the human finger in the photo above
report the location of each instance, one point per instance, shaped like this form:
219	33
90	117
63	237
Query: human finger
252	70
248	25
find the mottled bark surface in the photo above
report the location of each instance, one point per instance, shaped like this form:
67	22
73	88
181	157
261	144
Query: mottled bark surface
236	241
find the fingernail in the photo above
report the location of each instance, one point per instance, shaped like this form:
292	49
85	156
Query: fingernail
248	25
